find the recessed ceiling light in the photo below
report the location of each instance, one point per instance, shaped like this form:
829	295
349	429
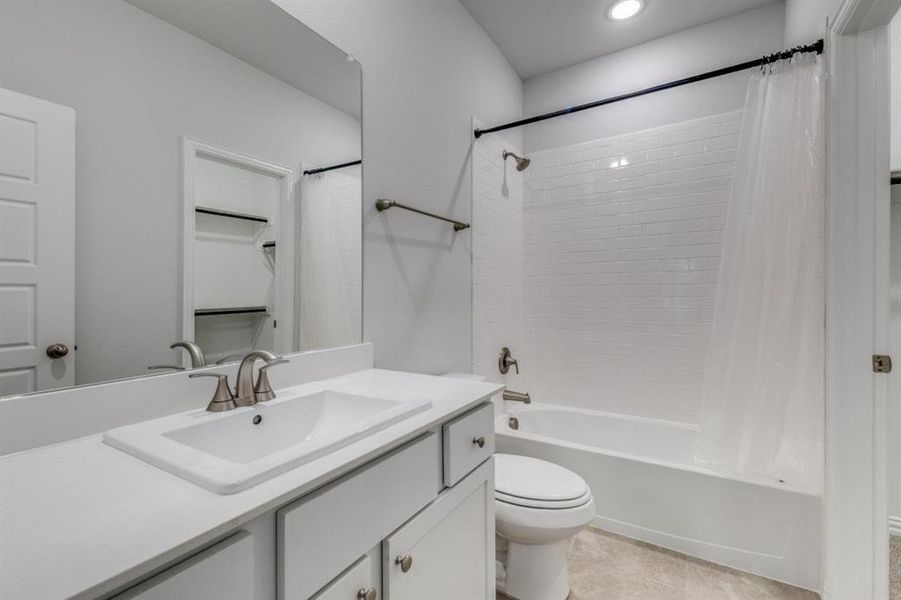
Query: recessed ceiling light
625	9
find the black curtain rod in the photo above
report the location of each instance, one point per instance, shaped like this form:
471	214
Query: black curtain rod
815	47
333	167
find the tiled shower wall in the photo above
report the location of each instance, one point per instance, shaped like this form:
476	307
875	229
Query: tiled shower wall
621	244
497	238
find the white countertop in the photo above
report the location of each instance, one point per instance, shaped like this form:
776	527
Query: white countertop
81	519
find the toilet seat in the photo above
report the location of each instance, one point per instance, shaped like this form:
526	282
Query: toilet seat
542	504
532	483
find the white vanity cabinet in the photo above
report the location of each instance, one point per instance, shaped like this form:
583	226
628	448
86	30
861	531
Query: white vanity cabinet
446	552
395	528
324	532
224	571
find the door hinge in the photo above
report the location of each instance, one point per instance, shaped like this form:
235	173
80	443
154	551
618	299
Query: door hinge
882	363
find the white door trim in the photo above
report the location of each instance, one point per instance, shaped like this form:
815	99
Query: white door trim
855	550
190	149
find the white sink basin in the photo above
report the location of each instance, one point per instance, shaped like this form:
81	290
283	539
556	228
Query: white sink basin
229	452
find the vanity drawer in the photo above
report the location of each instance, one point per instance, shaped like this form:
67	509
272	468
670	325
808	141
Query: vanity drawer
321	534
468	442
224	571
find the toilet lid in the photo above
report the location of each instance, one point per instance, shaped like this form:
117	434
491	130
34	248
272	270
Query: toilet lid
521	478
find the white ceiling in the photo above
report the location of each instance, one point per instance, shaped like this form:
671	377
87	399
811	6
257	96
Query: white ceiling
259	33
538	36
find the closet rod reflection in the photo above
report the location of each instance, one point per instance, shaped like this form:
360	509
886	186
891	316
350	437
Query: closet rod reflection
384	204
333	167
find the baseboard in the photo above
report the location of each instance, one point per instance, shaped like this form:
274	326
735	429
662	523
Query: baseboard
894	525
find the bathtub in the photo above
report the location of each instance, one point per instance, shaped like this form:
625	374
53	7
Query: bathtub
646	487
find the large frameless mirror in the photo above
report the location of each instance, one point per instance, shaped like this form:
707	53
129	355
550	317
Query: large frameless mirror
155	213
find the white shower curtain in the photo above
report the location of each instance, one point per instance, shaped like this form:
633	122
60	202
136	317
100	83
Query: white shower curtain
326	318
762	408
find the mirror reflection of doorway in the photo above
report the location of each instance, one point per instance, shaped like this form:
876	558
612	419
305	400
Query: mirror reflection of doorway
238	252
37	243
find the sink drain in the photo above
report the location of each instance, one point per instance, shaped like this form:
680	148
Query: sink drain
257	419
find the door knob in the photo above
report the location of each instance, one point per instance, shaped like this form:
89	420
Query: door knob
479	441
405	562
367	594
57	350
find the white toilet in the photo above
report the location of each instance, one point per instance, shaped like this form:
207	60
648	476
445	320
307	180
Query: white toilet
539	507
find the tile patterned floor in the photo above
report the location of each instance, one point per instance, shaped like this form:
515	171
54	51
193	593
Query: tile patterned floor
895	568
605	566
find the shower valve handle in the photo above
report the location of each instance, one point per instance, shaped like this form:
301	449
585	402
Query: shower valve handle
505	360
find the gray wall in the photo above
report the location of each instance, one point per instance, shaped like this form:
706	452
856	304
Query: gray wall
428	68
805	20
717	44
137	83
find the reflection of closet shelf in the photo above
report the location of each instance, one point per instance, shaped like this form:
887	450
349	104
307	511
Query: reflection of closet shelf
235	310
231	214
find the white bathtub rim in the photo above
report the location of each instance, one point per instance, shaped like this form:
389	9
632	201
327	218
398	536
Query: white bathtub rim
501	428
541	406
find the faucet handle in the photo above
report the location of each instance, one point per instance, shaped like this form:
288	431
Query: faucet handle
505	360
223	399
262	391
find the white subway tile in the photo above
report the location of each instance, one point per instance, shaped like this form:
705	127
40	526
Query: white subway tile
605	256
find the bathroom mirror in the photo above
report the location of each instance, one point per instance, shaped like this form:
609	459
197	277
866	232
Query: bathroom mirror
152	188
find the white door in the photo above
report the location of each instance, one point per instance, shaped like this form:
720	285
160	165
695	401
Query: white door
37	243
446	552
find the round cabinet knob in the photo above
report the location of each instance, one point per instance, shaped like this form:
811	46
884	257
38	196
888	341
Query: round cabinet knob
367	594
405	562
57	350
479	441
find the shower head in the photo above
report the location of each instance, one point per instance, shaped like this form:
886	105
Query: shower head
522	163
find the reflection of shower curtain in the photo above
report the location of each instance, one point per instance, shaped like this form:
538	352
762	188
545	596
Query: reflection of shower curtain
763	397
326	309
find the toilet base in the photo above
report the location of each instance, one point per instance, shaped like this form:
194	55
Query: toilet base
534	571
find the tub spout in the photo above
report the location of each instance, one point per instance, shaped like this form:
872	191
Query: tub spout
512	396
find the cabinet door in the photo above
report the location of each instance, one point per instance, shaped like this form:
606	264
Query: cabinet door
361	581
222	572
448	548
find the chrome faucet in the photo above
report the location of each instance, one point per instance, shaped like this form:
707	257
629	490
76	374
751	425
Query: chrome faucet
193	351
248	394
